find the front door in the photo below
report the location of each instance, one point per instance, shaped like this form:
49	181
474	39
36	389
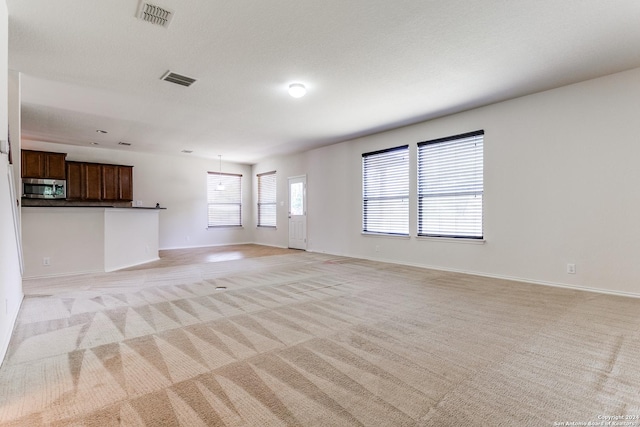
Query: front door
298	212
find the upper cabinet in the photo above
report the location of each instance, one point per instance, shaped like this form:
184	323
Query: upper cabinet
92	174
125	185
99	182
42	164
95	182
74	181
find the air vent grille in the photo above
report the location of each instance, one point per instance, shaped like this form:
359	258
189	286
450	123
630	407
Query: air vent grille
178	79
155	14
124	143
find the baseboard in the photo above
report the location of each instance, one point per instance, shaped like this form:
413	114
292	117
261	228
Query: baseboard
499	276
7	339
74	273
132	265
208	246
271	246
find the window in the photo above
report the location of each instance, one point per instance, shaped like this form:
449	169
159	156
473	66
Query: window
450	186
267	199
385	189
224	200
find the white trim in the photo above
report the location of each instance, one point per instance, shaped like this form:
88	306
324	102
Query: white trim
14	210
393	236
297	176
74	273
272	246
13	318
208	246
468	241
120	267
302	179
498	276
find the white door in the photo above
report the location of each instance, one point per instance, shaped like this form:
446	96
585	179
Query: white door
298	212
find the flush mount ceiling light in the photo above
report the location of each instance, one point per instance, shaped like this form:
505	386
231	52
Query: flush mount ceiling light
95	143
101	131
297	90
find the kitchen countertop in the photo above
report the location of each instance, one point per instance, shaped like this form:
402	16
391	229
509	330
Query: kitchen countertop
57	203
89	206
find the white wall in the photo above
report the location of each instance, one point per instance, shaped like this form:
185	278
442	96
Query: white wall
179	184
15	128
561	186
130	238
79	240
10	276
72	239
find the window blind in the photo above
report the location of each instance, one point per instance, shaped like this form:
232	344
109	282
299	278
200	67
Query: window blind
450	186
224	206
267	199
385	182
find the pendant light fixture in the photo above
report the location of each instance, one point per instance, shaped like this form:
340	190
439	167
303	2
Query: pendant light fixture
220	186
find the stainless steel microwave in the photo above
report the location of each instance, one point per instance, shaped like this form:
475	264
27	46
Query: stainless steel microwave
44	188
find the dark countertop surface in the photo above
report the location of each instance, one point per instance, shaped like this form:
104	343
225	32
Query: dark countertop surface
89	206
53	203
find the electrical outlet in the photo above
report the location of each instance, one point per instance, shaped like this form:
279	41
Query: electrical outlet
571	269
377	248
46	261
138	202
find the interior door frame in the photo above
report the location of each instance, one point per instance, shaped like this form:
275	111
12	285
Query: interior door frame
304	208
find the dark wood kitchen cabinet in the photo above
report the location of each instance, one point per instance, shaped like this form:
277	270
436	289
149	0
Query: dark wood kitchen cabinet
125	174
84	181
92	181
99	182
117	183
110	182
43	165
74	181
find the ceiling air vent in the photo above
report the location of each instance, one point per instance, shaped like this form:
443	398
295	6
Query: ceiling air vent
178	79
155	14
124	143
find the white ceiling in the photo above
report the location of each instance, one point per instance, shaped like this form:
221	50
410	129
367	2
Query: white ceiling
369	65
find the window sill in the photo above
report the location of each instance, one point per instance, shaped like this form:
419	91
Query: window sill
393	236
218	227
453	240
266	227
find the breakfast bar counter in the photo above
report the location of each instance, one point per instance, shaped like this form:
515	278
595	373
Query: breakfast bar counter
64	240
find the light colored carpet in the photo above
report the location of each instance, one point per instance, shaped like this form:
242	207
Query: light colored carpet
315	340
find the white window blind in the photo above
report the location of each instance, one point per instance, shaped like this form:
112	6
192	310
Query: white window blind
385	182
267	199
450	186
225	204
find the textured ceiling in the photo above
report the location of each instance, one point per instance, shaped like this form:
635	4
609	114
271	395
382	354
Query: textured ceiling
369	65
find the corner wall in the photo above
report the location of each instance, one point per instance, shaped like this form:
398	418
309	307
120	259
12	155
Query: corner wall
10	275
561	186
